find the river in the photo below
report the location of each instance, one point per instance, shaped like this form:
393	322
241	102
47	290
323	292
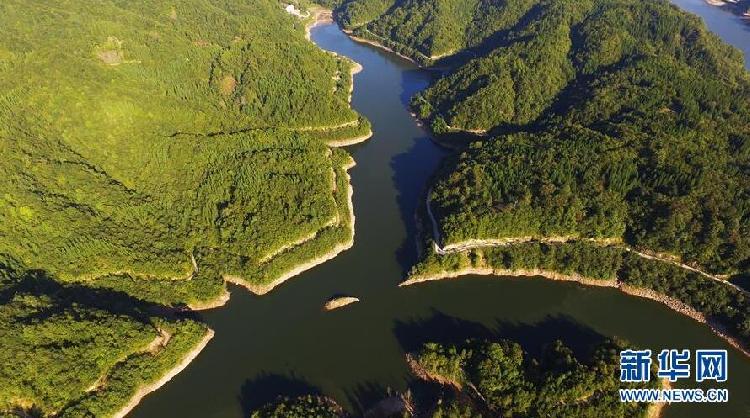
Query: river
283	343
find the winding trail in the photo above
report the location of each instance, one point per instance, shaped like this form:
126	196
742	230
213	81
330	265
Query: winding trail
503	242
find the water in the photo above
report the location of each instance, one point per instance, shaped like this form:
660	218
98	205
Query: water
732	29
283	343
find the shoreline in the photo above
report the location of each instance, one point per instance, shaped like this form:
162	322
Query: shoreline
672	303
656	409
341	143
218	302
422	374
340	302
378	45
320	16
148	388
471	244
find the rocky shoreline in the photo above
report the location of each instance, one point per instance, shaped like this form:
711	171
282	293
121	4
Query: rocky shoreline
670	302
145	390
218	302
380	46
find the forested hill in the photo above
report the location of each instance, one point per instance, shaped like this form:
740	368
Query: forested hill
616	119
137	137
637	125
150	149
609	140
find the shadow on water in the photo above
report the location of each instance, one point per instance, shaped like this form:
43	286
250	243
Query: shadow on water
411	170
445	329
267	387
409	176
413	82
742	281
363	396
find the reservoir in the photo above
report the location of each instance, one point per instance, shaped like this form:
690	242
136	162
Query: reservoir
284	343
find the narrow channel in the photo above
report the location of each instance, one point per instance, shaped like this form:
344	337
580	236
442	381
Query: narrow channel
283	343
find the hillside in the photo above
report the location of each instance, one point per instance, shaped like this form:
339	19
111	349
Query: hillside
135	143
429	30
615	127
151	151
601	119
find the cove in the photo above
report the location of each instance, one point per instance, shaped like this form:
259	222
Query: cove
284	343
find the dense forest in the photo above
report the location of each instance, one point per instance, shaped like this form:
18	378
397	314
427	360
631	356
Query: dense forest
616	119
180	132
73	351
603	126
149	151
667	150
495	378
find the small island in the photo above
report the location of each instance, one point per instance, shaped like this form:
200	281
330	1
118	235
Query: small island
339	302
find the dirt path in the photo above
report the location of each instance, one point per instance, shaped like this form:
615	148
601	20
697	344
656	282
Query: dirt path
502	242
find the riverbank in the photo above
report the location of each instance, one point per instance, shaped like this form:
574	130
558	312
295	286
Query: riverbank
319	16
378	45
218	302
672	303
145	390
470	244
341	143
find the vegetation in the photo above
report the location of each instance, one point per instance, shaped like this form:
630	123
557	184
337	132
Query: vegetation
598	122
75	351
356	13
301	407
497	378
619	119
640	139
184	131
149	150
427	30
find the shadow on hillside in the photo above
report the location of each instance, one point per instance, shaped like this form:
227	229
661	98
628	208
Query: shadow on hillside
19	281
